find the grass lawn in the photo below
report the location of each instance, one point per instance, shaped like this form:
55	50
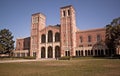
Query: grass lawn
83	67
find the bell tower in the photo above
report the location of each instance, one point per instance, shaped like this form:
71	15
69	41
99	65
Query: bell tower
68	30
38	21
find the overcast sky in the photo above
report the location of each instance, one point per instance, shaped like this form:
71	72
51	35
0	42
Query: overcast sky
16	14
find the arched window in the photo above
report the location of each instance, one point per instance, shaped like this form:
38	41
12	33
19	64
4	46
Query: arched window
98	37
50	52
57	51
43	52
57	37
89	38
43	38
50	36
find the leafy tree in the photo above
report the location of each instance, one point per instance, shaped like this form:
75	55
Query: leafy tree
6	41
113	35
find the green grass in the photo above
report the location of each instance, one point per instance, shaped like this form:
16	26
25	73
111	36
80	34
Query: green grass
87	67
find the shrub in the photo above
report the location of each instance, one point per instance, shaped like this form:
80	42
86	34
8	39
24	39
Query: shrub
65	58
29	57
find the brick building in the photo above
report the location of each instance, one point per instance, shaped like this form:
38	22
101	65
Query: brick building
63	39
22	47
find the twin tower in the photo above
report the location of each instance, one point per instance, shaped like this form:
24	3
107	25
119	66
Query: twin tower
40	44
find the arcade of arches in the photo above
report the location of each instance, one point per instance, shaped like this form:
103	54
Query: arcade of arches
98	49
50	37
99	52
50	53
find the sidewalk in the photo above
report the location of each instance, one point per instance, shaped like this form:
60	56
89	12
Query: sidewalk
11	61
25	60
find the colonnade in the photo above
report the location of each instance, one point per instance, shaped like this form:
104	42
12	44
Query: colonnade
49	52
99	52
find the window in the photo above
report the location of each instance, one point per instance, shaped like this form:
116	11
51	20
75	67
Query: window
50	36
57	37
89	45
98	38
35	19
63	13
80	45
89	38
43	38
68	12
81	40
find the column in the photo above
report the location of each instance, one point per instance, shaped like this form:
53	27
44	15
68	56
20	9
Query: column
53	45
53	37
25	54
46	53
119	50
39	53
53	52
83	52
104	52
46	37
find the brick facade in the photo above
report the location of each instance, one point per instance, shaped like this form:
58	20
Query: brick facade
22	47
63	39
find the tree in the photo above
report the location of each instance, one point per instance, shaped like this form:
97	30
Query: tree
6	41
113	35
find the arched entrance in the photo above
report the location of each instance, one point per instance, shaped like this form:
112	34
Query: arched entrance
57	51
43	52
81	52
50	52
99	48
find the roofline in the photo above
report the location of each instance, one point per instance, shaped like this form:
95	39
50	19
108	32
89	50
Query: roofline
51	27
66	6
35	13
23	37
38	13
90	30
